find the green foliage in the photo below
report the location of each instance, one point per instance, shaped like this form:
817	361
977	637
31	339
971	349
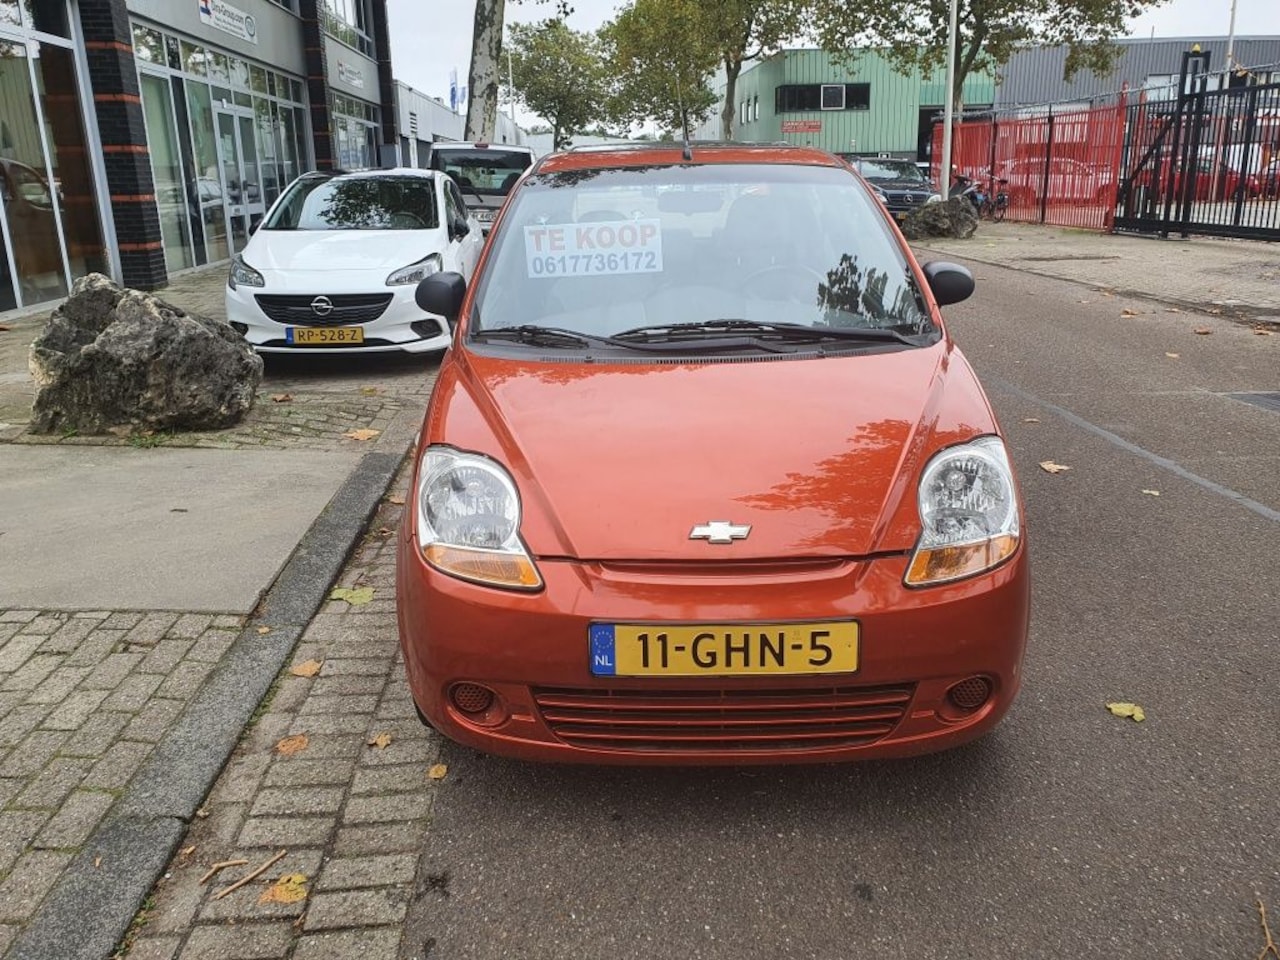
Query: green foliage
990	31
661	56
559	75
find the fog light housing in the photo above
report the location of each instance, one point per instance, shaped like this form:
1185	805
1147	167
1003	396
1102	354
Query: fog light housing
471	699
969	694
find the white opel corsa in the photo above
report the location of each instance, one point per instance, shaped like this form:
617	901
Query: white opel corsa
334	265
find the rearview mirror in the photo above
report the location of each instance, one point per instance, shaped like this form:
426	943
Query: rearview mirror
441	294
459	228
949	282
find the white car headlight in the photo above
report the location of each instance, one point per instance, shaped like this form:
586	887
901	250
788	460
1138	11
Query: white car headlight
469	520
244	275
968	513
416	272
934	198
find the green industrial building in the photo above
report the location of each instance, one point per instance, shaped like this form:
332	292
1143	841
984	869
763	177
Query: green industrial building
809	97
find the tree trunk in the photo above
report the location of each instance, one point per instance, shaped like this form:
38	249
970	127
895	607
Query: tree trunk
732	68
555	137
483	80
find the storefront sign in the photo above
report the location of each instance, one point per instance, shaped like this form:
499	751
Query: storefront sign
350	75
801	126
228	19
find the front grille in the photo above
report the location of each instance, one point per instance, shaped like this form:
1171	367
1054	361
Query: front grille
348	308
741	721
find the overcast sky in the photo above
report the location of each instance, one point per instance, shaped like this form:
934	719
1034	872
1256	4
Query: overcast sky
431	37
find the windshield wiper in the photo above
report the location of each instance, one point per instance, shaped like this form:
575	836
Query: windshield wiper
786	332
559	337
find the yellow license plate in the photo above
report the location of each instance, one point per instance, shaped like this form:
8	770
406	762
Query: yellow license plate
715	650
337	335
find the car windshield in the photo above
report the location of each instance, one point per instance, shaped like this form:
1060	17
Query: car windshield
482	170
890	170
357	203
607	251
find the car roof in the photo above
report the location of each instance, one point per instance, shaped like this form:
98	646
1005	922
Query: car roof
672	153
479	145
371	174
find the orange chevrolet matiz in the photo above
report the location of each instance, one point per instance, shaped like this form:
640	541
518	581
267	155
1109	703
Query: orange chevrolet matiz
705	480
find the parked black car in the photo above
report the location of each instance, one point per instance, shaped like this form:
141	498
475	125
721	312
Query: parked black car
904	185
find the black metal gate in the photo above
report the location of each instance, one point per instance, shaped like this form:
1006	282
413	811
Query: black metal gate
1207	162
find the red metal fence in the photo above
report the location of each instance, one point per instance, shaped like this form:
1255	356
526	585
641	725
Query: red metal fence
1061	167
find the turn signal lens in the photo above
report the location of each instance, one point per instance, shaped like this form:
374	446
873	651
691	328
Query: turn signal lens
953	563
491	567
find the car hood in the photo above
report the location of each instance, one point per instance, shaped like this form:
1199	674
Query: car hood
340	250
819	457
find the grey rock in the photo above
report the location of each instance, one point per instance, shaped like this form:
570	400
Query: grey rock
112	357
954	218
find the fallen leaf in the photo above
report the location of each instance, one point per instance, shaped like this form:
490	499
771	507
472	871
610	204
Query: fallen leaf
369	391
1126	312
1107	293
1214	310
263	631
1203	331
292	745
362	434
1048	466
1173	356
97	861
202	813
438	771
1030	419
381	741
281	397
1262	333
1172	310
1152	493
396	499
357	596
308	668
291	888
188	851
5	327
1127	710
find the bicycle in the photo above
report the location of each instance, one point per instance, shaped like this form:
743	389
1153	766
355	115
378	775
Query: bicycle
993	205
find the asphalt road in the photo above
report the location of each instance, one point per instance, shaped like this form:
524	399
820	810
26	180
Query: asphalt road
1069	833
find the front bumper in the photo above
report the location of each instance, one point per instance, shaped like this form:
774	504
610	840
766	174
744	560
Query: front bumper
532	651
401	327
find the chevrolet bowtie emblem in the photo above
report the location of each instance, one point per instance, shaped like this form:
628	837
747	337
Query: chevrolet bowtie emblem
720	531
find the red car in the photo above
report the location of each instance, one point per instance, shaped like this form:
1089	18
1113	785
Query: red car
705	480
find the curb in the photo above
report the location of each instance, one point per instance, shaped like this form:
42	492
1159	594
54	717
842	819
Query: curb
89	909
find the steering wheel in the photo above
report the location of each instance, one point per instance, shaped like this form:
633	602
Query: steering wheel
794	274
398	221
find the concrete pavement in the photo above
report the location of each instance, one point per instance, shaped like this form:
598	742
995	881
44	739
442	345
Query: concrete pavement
152	587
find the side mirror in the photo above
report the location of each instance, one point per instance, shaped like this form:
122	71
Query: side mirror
949	282
441	294
459	228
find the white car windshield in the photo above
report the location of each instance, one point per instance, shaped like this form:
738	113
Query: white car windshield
611	250
357	203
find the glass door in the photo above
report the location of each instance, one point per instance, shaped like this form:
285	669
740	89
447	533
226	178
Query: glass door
255	195
241	182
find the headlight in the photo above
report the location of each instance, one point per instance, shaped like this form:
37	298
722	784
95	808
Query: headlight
880	195
242	273
968	511
469	520
934	198
416	272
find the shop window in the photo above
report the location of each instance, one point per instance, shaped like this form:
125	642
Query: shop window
220	69
166	172
801	97
239	73
349	21
47	16
257	79
9	16
195	59
148	45
208	184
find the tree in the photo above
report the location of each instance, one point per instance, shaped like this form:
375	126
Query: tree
486	57
990	31
558	75
743	30
661	57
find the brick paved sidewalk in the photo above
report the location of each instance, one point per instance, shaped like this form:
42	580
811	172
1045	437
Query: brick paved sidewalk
84	698
351	815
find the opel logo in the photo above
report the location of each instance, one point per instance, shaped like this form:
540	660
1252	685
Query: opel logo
322	306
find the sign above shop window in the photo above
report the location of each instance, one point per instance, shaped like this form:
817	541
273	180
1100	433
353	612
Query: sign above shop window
350	75
228	19
801	126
